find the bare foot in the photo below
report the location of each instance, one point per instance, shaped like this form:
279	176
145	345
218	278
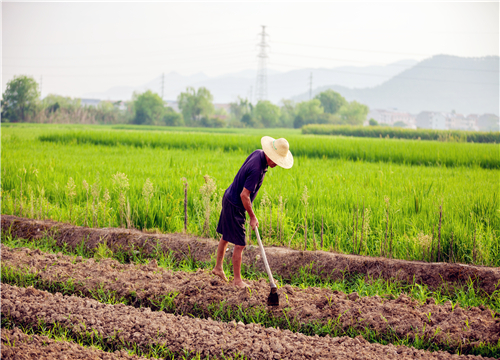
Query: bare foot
240	284
220	274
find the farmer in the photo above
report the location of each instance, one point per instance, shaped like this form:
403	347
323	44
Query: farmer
239	197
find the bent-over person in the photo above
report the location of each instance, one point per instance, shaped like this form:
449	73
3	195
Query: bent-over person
239	197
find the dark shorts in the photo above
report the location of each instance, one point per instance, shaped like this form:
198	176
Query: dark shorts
232	223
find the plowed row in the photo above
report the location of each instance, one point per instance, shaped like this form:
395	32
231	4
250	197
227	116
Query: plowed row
17	345
147	284
125	324
283	261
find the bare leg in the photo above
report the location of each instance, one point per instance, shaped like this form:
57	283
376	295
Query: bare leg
237	255
221	251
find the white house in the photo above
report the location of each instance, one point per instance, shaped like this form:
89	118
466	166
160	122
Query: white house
431	120
389	117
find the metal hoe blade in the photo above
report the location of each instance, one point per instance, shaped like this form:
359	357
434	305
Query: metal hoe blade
273	299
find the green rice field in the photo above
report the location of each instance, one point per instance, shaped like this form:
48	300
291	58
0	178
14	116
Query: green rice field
396	198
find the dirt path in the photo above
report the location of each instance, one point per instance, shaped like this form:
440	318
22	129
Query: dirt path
142	327
147	284
283	261
17	345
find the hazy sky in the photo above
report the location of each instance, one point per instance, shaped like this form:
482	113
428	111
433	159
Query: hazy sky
85	47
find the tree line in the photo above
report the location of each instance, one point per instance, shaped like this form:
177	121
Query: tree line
21	103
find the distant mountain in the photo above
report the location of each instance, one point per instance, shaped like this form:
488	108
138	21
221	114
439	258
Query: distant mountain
281	85
440	83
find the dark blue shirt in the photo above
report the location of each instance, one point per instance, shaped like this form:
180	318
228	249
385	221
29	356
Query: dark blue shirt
250	176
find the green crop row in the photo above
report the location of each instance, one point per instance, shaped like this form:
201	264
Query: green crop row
368	208
357	149
402	133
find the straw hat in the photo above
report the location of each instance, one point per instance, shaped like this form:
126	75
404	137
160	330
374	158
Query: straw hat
277	151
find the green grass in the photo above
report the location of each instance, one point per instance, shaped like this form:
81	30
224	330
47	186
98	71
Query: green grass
401	133
337	190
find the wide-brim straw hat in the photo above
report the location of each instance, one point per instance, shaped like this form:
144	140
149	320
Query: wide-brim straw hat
278	151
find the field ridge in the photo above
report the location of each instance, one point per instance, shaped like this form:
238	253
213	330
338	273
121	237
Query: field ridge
120	323
283	261
198	293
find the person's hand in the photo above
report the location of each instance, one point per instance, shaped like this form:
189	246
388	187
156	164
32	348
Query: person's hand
254	223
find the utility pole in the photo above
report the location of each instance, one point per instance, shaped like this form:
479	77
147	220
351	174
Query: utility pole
41	80
249	95
310	86
162	84
261	86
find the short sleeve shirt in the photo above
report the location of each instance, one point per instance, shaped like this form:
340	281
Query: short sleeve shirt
250	176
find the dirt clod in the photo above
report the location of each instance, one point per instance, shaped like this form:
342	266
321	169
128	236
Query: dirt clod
17	345
180	333
145	286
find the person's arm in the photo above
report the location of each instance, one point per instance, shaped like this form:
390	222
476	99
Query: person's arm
245	199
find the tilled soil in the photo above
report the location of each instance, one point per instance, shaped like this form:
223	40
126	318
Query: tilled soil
282	261
118	323
146	284
17	345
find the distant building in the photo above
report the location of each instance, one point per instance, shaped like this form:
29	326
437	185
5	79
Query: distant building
90	102
488	122
390	118
473	118
431	120
456	121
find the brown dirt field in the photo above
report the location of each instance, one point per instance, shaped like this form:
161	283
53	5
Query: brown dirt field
282	261
17	345
144	327
196	291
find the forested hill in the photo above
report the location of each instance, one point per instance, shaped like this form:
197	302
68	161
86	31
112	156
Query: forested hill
440	83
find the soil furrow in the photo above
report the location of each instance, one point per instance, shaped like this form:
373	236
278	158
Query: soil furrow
17	345
282	261
121	323
445	325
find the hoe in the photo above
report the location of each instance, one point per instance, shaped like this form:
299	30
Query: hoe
273	298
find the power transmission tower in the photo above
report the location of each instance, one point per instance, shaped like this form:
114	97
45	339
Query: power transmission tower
310	86
162	84
261	86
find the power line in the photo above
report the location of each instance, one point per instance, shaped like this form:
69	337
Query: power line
247	63
383	64
184	61
350	49
195	49
392	76
119	40
261	88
